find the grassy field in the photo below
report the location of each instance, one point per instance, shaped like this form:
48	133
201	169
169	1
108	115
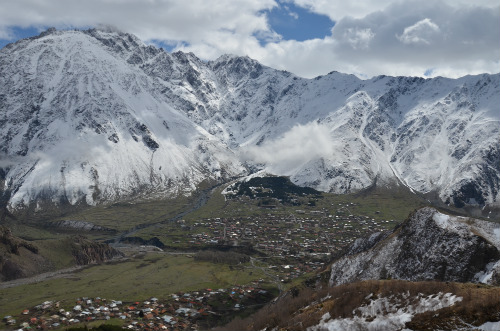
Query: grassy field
380	204
124	216
139	278
58	251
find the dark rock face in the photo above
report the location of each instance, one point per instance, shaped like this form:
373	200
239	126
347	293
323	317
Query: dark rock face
431	252
468	193
364	244
427	246
13	244
88	252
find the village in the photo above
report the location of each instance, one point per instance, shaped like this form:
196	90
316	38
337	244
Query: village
182	311
300	243
289	247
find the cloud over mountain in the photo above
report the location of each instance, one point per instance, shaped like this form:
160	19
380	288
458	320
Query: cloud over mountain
367	38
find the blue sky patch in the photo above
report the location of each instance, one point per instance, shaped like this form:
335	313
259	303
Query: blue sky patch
429	72
21	33
296	23
290	21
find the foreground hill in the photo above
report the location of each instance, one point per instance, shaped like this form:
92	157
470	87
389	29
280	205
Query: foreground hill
96	116
429	245
424	275
389	305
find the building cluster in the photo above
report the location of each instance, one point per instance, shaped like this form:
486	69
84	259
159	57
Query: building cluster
304	242
313	232
183	311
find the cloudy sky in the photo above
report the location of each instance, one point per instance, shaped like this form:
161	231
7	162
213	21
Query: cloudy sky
428	38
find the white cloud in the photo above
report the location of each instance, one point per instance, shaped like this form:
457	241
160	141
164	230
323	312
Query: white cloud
299	145
337	10
369	38
421	32
359	38
454	41
6	33
191	21
291	13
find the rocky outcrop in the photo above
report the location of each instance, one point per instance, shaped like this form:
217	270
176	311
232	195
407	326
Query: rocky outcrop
86	251
19	258
13	244
427	246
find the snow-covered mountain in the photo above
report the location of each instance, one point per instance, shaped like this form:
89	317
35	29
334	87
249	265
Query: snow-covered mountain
81	121
96	116
429	245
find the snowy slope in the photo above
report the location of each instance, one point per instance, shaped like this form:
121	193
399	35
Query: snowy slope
338	133
99	116
428	246
387	313
80	123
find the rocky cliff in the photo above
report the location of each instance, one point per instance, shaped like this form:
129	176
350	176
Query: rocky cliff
87	251
429	245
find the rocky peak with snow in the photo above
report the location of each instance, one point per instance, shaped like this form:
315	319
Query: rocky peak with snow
83	122
429	245
97	116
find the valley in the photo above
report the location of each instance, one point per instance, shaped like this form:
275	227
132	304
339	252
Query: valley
281	246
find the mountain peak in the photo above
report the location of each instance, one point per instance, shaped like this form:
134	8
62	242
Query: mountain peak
172	120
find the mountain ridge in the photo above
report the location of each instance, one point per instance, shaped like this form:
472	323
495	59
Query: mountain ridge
157	124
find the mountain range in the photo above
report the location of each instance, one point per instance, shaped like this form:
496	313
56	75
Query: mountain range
98	116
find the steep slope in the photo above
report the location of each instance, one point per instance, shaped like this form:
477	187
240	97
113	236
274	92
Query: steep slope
81	123
338	133
19	258
97	116
427	246
415	131
389	305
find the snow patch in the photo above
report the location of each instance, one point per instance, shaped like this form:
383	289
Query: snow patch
442	220
387	313
485	276
335	133
490	326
